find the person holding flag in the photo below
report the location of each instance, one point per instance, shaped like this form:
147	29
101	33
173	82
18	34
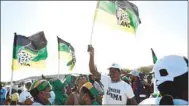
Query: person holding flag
116	91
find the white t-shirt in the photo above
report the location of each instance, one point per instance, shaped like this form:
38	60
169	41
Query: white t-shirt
24	96
154	101
115	92
36	103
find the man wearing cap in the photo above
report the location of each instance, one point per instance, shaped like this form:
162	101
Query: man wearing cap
25	97
116	91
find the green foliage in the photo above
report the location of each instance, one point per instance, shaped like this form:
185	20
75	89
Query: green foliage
126	70
145	69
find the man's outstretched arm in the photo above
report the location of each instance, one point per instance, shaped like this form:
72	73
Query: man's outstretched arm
92	67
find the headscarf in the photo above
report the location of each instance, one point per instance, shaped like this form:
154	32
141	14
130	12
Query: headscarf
41	85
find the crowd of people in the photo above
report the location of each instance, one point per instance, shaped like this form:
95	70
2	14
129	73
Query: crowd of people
170	74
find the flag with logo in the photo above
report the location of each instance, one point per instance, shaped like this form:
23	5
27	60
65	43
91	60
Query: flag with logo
154	56
29	51
66	55
119	15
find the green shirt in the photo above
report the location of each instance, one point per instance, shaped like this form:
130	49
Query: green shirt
95	103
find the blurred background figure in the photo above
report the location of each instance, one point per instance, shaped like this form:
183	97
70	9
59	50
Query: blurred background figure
98	86
68	90
87	94
3	94
59	92
126	79
25	99
136	84
73	98
149	86
25	94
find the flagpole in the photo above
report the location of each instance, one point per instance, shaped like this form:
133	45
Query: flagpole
58	60
96	11
11	82
12	67
155	87
58	68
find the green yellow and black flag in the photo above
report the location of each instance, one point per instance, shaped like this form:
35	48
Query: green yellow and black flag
29	51
66	54
119	15
154	56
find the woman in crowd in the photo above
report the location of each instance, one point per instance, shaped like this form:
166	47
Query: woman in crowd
40	91
73	98
87	94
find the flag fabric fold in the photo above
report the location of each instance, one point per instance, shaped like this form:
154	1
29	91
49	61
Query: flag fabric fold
29	51
66	54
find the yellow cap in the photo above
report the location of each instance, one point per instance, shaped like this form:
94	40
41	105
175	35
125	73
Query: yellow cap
14	97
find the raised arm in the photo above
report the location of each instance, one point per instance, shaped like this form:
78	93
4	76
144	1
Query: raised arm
92	67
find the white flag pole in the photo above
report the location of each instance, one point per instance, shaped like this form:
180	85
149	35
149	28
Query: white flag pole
12	65
58	59
96	11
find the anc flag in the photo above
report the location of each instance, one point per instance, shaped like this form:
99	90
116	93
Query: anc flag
66	54
154	56
156	92
119	15
29	51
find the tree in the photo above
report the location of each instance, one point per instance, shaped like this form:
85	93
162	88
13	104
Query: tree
145	69
125	71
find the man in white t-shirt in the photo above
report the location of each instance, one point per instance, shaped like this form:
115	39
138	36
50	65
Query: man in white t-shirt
116	91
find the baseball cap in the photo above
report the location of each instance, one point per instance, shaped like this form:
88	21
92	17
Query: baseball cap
14	97
134	73
15	87
91	88
169	67
114	65
27	81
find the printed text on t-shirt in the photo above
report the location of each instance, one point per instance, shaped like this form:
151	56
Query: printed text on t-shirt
114	94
